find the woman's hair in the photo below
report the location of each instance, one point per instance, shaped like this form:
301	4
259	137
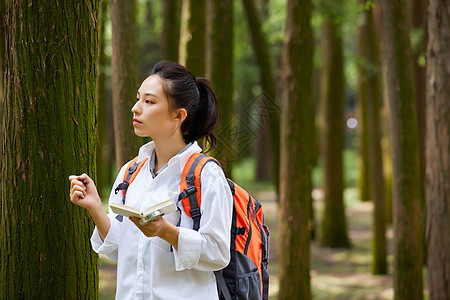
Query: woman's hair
195	95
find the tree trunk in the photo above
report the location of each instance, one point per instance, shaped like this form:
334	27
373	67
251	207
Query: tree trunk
103	156
2	58
419	25
270	111
408	233
193	36
171	29
295	189
437	150
334	224
221	75
49	133
124	78
361	112
376	177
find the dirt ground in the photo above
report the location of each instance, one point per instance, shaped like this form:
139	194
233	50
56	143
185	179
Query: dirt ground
335	273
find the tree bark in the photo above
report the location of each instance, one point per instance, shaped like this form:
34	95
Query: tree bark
2	58
193	36
49	133
221	76
437	149
270	111
376	178
124	78
334	224
408	233
171	29
295	188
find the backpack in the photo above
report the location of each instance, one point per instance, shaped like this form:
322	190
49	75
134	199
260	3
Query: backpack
247	275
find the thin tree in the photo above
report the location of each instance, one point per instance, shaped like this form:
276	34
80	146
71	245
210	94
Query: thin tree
193	36
361	114
104	171
2	56
437	150
221	75
334	223
49	133
408	233
295	188
171	29
125	74
270	110
376	178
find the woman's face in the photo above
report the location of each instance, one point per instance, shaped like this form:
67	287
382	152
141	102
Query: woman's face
151	115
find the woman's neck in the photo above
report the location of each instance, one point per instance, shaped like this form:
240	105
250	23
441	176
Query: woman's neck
166	149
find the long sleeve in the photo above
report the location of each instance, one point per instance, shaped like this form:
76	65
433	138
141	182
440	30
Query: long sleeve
209	248
110	245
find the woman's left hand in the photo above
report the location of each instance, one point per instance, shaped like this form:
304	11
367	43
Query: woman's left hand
160	228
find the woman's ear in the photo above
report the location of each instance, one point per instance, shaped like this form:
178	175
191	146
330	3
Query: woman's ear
181	115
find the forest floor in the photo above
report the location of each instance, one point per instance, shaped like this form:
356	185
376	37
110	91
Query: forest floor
341	274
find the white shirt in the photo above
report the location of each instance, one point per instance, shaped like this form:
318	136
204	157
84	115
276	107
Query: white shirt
146	267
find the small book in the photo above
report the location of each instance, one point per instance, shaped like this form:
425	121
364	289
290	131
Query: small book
150	214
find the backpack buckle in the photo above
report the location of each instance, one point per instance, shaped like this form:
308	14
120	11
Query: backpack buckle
187	192
195	212
122	186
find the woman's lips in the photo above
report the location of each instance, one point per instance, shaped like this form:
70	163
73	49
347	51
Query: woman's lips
136	122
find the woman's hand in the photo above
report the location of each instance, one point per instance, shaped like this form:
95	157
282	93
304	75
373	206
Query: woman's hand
83	192
160	228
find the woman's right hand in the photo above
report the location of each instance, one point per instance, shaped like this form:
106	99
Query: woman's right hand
83	192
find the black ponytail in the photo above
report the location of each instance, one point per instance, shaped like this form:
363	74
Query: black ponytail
194	94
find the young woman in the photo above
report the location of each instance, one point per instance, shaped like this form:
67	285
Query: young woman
161	260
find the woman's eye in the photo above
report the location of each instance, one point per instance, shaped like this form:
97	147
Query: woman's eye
137	99
148	102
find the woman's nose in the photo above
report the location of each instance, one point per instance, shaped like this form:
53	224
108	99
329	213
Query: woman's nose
135	108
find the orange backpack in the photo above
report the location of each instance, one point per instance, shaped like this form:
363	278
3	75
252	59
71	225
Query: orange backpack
247	275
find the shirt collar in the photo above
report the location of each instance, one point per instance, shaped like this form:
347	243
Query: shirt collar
181	158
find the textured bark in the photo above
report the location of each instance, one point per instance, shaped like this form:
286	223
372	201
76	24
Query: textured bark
374	99
171	29
221	76
49	133
2	57
124	78
270	111
295	189
334	224
437	150
193	36
408	233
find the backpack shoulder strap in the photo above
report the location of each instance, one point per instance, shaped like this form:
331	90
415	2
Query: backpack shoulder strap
130	174
190	186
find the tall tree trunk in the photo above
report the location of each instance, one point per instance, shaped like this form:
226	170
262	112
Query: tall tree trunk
419	25
361	111
221	75
193	36
103	156
49	133
270	110
264	157
2	58
376	177
334	224
295	189
124	78
408	233
171	29
437	149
